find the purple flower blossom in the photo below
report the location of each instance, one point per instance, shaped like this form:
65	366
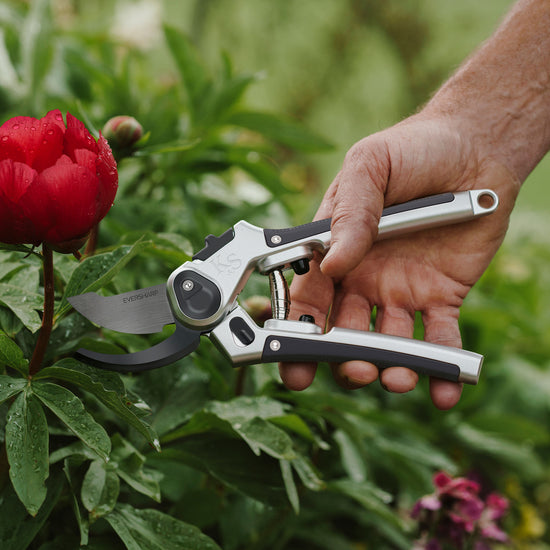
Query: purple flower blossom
455	514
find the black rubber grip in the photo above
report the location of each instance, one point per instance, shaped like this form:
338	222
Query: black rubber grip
278	237
432	200
213	244
298	349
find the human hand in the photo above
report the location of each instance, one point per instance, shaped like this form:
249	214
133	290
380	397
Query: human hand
428	272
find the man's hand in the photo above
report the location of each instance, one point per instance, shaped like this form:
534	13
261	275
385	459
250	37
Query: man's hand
428	272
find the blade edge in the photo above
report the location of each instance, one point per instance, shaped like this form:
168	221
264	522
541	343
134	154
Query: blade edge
143	311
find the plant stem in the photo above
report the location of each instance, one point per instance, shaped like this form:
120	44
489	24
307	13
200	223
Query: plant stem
47	317
91	245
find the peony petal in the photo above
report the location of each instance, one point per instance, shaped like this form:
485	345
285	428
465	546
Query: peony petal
55	117
77	137
64	201
86	158
108	177
37	142
15	227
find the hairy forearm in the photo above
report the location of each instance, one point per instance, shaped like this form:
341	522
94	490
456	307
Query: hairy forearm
501	95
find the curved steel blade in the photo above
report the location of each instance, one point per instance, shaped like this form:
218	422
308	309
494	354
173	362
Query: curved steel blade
180	344
143	311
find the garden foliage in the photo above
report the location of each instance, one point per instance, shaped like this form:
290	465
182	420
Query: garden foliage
198	455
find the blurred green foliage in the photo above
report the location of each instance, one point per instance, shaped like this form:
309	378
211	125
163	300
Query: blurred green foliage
234	98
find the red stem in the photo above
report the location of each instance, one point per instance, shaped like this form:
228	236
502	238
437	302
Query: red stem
92	241
47	317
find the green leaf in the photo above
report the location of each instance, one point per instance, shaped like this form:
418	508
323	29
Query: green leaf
70	410
280	130
27	450
190	67
352	459
129	465
11	355
10	386
100	489
106	386
307	473
95	272
247	418
370	497
17	528
247	408
177	146
515	455
153	530
36	45
23	303
17	248
230	461
82	521
290	485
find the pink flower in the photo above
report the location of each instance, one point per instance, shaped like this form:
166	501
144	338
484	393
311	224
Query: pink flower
456	513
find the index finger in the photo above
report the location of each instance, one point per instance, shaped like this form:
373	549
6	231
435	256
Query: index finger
311	294
356	202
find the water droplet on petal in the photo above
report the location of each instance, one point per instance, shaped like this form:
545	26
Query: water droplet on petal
5	138
16	126
50	132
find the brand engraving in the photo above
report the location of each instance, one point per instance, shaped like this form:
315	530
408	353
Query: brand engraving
139	296
226	264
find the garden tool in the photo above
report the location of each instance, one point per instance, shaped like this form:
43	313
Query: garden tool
201	299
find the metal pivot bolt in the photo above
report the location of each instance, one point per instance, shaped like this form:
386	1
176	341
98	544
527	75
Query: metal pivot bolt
275	345
188	285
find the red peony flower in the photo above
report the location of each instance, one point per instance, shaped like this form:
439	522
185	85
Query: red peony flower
56	181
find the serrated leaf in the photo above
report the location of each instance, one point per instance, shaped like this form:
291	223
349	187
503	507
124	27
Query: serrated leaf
100	489
23	303
153	530
70	410
11	355
106	386
27	450
10	386
95	272
280	130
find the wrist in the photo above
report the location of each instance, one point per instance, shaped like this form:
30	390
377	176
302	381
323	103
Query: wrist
500	98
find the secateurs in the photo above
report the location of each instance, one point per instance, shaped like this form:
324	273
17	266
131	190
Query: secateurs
201	299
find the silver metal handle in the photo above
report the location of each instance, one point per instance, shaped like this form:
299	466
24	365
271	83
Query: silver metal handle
244	343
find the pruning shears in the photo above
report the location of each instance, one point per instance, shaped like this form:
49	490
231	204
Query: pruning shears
201	299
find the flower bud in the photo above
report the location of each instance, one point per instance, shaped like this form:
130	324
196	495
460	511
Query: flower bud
122	131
